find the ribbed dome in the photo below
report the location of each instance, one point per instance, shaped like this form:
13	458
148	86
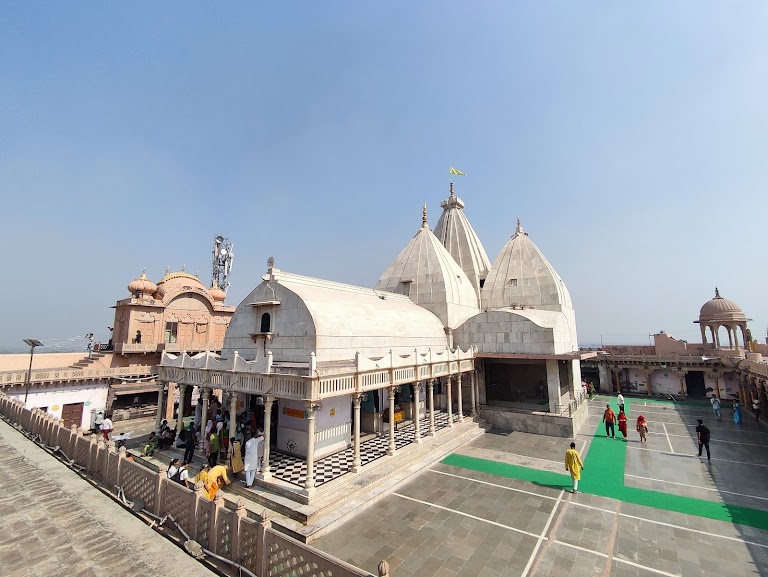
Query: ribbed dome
720	309
216	293
522	277
428	274
460	239
142	285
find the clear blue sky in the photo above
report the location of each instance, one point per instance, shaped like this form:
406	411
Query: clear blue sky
631	138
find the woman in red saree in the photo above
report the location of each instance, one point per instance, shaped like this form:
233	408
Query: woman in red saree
623	423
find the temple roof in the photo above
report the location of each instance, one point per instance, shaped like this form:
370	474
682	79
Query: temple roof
522	277
456	234
427	273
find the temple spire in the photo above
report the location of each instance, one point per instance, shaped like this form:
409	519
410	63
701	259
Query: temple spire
519	227
424	217
452	195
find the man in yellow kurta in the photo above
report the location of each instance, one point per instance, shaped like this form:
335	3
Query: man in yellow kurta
217	476
574	465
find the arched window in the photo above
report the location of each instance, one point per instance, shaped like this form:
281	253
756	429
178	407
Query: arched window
265	323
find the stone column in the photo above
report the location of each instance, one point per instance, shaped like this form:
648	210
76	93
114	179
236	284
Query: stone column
204	411
648	382
180	416
309	484
460	407
431	386
449	400
391	449
473	397
553	384
159	416
682	383
416	423
265	472
356	463
232	414
604	378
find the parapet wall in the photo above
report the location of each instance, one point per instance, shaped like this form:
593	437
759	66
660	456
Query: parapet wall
566	425
257	547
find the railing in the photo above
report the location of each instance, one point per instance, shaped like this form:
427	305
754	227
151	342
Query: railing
230	534
69	374
570	408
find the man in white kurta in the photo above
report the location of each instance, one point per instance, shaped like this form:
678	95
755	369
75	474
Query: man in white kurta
254	450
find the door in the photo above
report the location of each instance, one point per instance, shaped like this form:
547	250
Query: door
694	384
72	414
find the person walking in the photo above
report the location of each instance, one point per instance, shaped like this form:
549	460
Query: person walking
736	413
591	390
574	465
622	418
609	418
621	402
252	463
703	435
716	407
642	428
756	408
89	346
106	427
234	457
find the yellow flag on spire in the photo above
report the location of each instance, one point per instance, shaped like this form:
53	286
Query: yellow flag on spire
456	171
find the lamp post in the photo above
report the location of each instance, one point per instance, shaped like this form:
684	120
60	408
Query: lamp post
32	344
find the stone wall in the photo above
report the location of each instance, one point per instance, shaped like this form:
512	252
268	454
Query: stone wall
536	422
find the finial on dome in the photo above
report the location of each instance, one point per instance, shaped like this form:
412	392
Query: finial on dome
717	293
271	262
143	275
183	268
167	268
424	216
452	194
519	227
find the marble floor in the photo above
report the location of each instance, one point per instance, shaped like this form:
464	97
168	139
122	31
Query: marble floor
643	509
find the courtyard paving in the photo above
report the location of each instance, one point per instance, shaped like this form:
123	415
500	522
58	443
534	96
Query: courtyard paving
54	523
501	505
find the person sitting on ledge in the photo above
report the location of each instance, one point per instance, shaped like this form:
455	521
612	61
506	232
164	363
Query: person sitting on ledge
151	446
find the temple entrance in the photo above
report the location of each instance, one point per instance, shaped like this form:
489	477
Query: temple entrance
514	382
694	384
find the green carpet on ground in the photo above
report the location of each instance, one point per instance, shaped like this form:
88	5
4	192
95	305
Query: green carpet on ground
604	476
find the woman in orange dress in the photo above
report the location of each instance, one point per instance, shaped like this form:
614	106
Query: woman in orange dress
642	428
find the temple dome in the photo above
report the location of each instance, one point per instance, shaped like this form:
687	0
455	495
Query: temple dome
456	234
427	273
216	293
721	309
521	277
142	285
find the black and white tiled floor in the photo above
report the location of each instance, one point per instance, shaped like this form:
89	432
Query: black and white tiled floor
294	470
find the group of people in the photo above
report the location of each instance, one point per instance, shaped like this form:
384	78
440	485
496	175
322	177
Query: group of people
103	424
610	418
716	407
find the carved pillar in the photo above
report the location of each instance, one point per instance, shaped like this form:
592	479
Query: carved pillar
391	449
416	422
648	379
204	411
265	472
449	399
681	376
309	484
431	386
356	463
159	416
472	397
232	414
459	398
180	416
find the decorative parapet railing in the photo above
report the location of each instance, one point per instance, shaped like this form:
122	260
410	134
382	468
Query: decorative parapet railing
41	376
258	377
228	533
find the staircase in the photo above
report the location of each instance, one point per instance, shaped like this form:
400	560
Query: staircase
85	362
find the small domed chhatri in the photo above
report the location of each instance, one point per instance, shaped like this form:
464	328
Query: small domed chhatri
721	309
142	286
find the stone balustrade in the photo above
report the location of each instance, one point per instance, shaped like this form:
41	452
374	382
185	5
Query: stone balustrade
228	533
42	376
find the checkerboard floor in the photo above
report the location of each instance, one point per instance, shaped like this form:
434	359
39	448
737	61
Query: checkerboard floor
294	470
